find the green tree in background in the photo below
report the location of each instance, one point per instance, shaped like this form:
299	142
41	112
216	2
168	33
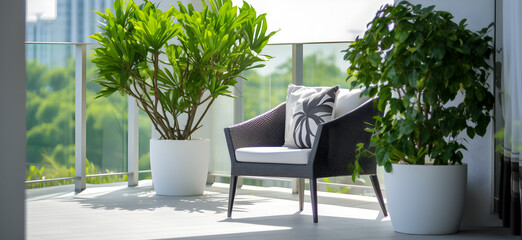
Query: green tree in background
50	126
50	113
322	71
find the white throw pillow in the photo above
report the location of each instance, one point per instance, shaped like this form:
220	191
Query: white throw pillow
347	100
294	93
309	106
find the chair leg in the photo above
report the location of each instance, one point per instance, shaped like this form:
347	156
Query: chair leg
301	187
231	194
313	196
378	193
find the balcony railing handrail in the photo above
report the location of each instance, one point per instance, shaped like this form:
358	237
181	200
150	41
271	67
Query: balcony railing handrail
281	43
87	176
61	43
309	43
211	173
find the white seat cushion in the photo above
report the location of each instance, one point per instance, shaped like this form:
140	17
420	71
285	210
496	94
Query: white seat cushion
284	155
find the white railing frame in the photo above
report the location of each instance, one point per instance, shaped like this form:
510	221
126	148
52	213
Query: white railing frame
133	143
80	126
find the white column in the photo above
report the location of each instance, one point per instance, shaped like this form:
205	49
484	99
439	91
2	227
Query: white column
80	117
297	78
133	143
297	64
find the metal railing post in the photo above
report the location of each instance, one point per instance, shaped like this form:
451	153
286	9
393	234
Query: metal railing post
133	143
80	117
297	64
297	78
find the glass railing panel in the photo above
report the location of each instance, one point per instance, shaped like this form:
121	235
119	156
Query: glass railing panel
107	128
50	139
267	87
50	115
323	64
145	128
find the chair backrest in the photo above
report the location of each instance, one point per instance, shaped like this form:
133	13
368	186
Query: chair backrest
296	135
346	100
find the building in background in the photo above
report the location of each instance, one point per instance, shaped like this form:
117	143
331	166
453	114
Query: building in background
60	21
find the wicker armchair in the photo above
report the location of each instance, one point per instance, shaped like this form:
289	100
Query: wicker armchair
332	151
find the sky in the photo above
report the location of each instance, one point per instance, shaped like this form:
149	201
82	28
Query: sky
45	9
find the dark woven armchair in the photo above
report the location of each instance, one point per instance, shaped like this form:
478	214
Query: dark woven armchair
333	149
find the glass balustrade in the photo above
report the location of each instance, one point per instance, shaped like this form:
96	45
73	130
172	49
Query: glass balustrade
50	114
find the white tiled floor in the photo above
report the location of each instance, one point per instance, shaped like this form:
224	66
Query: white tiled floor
115	211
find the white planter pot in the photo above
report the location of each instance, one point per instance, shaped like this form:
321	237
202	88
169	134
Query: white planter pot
179	167
426	199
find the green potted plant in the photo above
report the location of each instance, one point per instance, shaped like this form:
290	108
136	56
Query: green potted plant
430	75
175	63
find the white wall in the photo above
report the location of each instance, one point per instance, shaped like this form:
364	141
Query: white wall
304	21
12	120
479	157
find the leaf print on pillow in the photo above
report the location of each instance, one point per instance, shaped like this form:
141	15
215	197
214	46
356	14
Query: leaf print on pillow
309	113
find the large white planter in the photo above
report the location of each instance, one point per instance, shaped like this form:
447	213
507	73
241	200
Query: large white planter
179	167
426	199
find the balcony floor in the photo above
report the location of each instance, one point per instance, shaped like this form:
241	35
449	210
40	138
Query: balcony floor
115	211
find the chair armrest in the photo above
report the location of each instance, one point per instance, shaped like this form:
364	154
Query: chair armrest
336	145
267	129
